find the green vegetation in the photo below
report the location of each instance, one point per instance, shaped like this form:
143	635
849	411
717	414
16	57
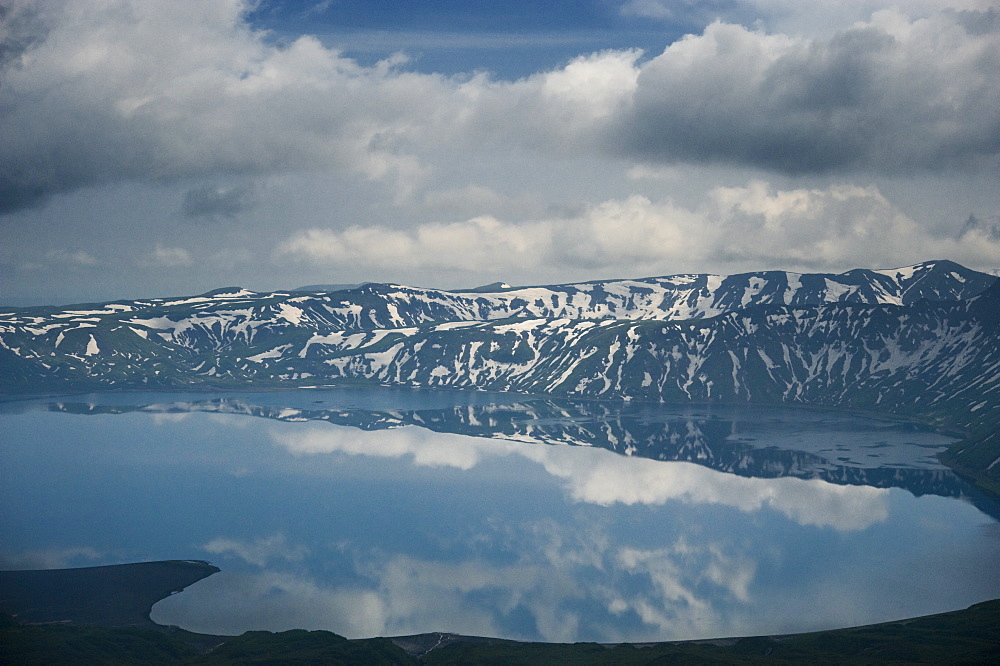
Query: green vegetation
970	636
305	647
66	644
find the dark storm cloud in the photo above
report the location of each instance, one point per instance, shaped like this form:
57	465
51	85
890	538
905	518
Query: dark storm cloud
99	92
974	225
19	195
20	29
216	202
890	96
979	22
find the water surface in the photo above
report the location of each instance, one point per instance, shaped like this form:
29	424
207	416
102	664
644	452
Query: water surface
387	512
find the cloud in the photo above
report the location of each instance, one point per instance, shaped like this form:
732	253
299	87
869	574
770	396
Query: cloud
260	551
426	448
480	242
169	418
980	230
684	12
167	257
604	478
232	603
215	202
159	91
468	198
50	559
135	115
793	16
833	228
122	91
73	258
561	584
812	227
677	573
115	91
891	94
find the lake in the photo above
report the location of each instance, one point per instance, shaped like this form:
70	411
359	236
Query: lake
377	511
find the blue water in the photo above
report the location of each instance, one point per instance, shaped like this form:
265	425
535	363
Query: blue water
380	512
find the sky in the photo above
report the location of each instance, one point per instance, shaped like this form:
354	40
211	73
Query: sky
170	148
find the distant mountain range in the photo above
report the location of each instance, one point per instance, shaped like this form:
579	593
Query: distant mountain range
919	341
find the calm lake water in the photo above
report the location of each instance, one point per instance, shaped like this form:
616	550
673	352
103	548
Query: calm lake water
389	512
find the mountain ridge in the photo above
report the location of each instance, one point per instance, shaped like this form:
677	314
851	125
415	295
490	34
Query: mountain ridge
919	341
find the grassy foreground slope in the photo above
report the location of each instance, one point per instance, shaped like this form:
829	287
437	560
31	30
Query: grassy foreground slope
970	636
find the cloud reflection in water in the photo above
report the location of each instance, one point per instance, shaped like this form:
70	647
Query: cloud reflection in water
552	580
567	587
406	530
601	477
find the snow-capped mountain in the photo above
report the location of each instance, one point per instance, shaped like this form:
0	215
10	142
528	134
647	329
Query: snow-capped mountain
920	340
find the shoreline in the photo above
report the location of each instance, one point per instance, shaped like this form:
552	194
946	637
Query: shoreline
85	602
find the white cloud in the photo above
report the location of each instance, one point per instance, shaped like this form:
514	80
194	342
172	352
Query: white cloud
589	88
481	242
739	228
835	228
830	227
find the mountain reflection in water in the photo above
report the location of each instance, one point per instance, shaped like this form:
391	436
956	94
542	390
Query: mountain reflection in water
392	512
761	442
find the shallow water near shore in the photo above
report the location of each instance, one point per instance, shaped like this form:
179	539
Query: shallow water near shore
389	512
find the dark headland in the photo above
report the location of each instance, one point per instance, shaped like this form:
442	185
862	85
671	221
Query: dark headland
120	595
